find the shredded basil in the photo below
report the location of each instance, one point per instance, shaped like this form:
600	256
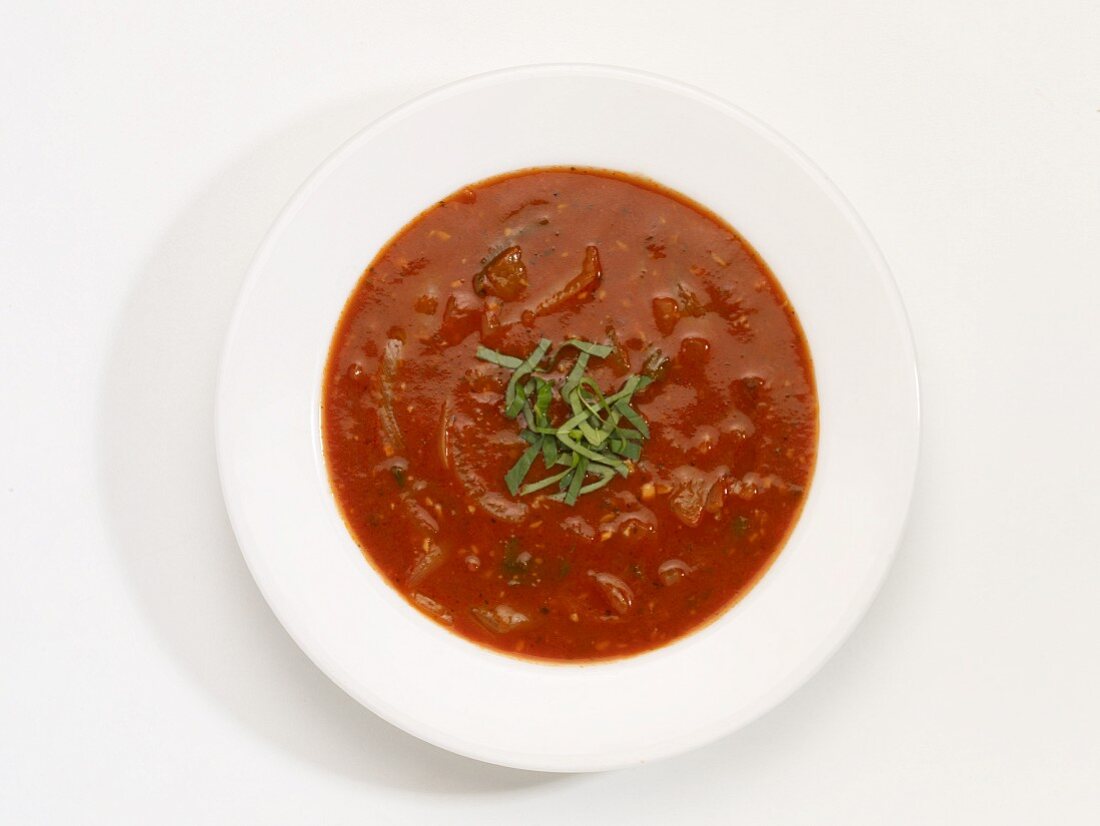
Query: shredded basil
500	359
590	442
600	351
514	477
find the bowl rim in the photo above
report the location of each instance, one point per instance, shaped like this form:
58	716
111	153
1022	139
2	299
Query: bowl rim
868	589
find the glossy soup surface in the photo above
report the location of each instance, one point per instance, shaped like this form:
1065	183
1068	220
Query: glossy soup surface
417	444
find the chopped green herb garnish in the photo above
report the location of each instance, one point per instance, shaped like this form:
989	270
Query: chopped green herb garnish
591	443
600	351
544	483
514	477
514	402
632	416
549	452
493	357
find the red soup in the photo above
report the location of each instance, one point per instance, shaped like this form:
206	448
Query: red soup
569	414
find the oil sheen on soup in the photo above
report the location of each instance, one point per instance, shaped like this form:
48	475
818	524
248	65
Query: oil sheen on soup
569	414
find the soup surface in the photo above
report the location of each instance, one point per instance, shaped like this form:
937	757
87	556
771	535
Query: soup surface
548	508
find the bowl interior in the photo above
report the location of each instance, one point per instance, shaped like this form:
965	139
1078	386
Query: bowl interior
435	684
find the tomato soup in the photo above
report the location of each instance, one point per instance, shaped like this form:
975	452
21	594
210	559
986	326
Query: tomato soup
569	414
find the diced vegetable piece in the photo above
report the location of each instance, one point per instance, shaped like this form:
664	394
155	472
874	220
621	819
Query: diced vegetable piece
504	277
716	497
430	606
419	514
579	526
431	557
500	506
461	317
672	571
666	314
387	378
501	619
691	490
590	275
617	593
689	495
694	350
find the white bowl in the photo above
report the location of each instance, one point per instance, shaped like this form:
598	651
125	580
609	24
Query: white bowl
441	687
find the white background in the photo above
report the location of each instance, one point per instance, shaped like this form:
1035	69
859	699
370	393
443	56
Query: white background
146	147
